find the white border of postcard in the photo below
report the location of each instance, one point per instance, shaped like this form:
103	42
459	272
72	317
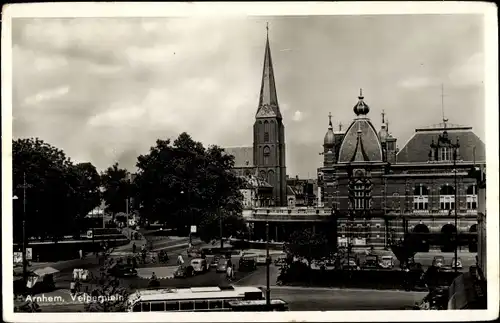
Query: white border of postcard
488	10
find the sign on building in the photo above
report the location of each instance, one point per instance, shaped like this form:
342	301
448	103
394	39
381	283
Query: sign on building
342	242
359	241
89	234
29	254
193	229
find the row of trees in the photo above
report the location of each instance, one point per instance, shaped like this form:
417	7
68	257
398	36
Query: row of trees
178	184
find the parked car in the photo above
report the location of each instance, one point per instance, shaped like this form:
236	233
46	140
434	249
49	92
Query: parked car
194	252
350	264
387	262
223	264
456	264
261	260
215	260
199	265
122	270
438	261
184	272
371	261
247	263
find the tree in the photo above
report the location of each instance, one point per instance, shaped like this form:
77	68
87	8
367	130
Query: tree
232	225
405	249
183	184
308	245
117	189
53	192
107	295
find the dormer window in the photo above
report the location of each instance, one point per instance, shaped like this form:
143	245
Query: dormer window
444	153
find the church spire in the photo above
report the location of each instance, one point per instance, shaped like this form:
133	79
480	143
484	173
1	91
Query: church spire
268	101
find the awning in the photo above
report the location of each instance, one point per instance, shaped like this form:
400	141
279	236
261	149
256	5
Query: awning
45	271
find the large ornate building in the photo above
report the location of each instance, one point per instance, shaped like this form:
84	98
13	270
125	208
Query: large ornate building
266	158
378	192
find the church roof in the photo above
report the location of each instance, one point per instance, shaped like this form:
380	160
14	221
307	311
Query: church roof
243	156
418	146
268	100
365	148
254	182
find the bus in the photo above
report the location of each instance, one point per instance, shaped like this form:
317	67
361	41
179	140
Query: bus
194	299
276	305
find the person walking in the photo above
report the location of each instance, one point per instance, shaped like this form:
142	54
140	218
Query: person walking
72	287
180	261
229	273
134	248
81	253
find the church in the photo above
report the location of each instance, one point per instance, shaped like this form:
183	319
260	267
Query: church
372	191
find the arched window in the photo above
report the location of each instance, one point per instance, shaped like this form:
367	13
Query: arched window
420	197
266	131
267	153
447	197
472	197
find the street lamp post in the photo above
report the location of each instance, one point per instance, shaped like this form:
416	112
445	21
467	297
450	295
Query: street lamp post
268	263
190	224
455	147
25	263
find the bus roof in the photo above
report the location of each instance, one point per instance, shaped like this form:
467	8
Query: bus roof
257	302
191	293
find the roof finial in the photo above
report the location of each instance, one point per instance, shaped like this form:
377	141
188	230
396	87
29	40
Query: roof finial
387	124
330	119
383	116
445	120
340	126
267	29
360	94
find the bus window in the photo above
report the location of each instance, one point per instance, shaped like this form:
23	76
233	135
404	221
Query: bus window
225	303
171	306
201	305
157	306
137	307
215	304
187	306
146	306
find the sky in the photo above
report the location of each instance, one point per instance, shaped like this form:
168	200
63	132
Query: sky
104	90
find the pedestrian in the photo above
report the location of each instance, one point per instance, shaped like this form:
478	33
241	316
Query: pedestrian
180	261
229	272
134	248
81	253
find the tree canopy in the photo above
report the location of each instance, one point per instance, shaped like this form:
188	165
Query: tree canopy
57	190
308	245
183	183
117	189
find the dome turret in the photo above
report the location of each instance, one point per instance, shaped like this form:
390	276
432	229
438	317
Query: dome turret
383	132
361	108
329	136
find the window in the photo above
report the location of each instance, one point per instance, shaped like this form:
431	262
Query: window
146	306
157	306
172	306
359	196
187	305
420	198
390	145
266	131
267	152
201	305
447	197
266	136
444	153
215	304
137	307
471	197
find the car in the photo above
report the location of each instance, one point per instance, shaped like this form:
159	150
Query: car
371	261
261	260
350	264
223	264
184	272
438	261
194	252
122	270
247	263
215	260
386	262
457	264
199	265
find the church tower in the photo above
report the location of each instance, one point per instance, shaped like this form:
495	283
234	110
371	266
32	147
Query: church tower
269	134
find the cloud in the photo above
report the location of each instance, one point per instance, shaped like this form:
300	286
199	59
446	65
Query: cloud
297	116
418	82
469	72
47	95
